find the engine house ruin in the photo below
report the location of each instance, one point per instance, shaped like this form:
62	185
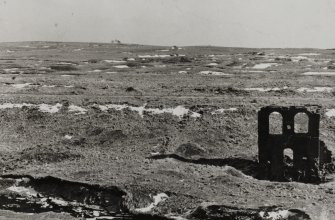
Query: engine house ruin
309	153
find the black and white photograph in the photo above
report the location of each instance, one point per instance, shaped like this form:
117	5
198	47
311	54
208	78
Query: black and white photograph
167	109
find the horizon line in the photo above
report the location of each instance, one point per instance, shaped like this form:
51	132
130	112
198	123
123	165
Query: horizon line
153	45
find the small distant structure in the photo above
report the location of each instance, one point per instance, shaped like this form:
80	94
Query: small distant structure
116	42
309	153
174	50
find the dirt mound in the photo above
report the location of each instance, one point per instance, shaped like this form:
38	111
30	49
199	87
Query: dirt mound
106	135
177	59
283	59
229	90
42	155
234	63
191	150
63	67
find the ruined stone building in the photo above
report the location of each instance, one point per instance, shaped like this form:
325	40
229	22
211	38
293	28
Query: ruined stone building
309	153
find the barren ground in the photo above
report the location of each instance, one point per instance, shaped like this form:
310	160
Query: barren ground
90	130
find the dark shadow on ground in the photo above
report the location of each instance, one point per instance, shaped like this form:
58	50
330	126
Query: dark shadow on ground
247	166
250	167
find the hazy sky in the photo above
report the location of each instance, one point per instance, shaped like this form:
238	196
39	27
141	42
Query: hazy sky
243	23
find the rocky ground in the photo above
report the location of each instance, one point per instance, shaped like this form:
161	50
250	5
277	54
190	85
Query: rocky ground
100	131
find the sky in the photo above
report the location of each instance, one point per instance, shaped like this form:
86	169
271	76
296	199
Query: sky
230	23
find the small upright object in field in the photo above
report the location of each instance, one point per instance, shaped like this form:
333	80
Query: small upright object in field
116	41
174	50
310	155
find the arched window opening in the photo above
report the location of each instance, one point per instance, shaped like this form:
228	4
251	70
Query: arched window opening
288	157
301	121
275	123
